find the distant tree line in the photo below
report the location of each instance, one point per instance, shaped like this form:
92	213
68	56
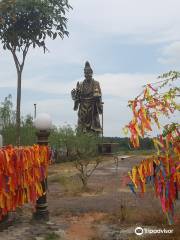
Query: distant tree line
124	143
61	138
8	124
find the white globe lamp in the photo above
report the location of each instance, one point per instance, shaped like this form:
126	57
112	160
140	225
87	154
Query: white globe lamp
43	122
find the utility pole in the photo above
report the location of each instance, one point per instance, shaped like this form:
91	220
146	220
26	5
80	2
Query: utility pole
102	120
35	110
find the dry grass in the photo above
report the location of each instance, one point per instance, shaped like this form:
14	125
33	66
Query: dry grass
71	185
52	236
129	215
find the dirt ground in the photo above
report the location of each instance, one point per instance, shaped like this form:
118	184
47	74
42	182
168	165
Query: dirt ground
107	211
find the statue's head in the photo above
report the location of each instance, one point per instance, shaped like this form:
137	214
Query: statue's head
88	72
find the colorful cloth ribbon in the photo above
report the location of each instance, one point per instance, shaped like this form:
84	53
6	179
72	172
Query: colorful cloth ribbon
21	172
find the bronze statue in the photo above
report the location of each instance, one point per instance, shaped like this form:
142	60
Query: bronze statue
87	100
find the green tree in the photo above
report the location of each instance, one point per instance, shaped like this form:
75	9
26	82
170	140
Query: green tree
27	131
157	100
26	24
80	147
7	114
87	157
63	139
8	122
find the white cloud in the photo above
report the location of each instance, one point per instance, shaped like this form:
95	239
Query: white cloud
124	85
61	110
68	50
147	21
171	54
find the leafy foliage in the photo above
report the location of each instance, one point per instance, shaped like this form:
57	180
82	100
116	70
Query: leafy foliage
158	99
162	170
87	159
80	147
7	119
7	114
30	22
62	140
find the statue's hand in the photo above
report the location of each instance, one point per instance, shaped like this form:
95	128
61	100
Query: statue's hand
73	94
76	104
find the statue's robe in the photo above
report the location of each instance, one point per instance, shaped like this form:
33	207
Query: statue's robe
90	106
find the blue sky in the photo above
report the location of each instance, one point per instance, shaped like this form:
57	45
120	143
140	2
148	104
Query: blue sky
128	43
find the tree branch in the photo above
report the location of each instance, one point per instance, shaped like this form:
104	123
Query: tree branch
89	173
18	65
24	55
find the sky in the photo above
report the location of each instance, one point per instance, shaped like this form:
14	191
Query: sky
128	44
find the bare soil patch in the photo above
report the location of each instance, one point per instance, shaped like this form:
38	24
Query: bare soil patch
107	211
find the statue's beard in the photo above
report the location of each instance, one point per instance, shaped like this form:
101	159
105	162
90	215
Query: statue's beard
88	78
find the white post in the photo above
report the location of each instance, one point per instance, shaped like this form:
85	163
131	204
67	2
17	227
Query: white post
1	140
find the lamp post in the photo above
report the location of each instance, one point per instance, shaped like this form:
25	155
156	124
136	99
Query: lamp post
43	124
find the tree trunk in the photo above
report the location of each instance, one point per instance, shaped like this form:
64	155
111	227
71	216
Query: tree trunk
18	107
19	69
84	182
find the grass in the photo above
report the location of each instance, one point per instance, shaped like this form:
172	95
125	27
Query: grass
138	216
131	217
52	236
150	215
136	152
71	184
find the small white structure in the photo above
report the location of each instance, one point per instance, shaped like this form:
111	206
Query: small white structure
1	140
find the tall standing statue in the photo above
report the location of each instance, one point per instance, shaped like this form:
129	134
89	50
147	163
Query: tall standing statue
88	102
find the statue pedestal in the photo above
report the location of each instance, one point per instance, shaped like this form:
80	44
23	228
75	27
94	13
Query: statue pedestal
107	148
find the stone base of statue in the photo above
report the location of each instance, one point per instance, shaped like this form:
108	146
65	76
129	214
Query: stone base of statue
107	148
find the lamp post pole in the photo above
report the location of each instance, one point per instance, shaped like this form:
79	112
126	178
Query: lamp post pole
42	212
43	124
